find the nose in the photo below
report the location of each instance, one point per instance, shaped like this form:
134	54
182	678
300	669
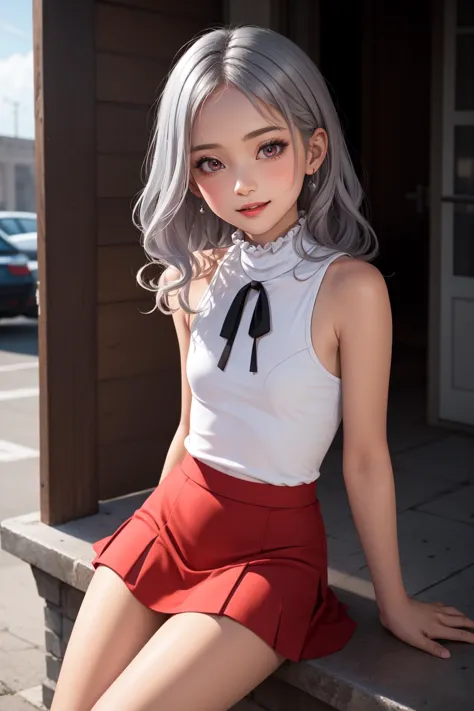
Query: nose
244	186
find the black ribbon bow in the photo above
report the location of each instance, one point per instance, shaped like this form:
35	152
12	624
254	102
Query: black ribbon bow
259	325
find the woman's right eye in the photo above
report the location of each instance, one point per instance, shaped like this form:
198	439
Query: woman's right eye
209	165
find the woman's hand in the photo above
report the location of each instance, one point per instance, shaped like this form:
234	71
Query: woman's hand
419	623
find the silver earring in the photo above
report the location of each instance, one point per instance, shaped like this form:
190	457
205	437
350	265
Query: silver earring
201	209
312	182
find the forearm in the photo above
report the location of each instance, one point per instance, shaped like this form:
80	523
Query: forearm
176	451
371	494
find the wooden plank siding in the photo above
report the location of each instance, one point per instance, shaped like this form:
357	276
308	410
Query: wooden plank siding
138	388
206	10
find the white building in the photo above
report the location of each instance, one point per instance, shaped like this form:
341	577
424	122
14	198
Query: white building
17	174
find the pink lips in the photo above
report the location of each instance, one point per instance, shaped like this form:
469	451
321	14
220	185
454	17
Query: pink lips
252	209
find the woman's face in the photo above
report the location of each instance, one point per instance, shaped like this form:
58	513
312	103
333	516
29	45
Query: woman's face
239	158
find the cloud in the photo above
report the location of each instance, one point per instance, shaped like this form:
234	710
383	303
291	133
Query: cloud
17	85
11	30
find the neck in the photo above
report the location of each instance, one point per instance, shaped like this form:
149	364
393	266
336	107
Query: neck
289	220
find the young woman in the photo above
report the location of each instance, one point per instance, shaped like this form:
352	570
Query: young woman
252	204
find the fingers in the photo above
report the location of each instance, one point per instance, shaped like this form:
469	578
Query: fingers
455	620
432	647
452	633
455	612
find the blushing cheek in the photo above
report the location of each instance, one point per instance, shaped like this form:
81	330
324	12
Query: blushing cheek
282	175
215	192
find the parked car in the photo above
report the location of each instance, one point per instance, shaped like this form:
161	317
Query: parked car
17	284
28	244
20	228
16	222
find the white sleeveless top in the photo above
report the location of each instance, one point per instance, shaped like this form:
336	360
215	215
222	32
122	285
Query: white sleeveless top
274	425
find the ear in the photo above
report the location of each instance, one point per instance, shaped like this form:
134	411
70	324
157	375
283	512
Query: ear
316	150
194	188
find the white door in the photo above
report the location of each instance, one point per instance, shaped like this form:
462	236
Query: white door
453	210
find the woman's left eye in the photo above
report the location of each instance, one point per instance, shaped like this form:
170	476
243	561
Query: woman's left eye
272	150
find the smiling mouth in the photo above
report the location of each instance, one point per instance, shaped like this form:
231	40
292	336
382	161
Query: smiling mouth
252	206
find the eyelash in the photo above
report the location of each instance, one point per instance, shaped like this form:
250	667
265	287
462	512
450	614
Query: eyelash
276	142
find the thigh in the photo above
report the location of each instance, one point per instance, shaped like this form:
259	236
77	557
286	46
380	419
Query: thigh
195	661
110	629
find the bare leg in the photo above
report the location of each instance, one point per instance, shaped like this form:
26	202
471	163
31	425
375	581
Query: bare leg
111	627
195	661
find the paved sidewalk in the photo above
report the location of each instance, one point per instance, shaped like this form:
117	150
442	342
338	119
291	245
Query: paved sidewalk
22	661
18	702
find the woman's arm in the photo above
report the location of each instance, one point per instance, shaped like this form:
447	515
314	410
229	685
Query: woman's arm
364	330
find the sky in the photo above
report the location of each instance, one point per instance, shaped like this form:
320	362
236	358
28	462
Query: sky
16	67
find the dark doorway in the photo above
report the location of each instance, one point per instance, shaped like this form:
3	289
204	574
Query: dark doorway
376	57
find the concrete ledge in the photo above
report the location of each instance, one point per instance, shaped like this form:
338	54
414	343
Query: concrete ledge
375	671
65	551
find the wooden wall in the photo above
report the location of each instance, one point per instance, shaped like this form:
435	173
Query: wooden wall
109	378
138	363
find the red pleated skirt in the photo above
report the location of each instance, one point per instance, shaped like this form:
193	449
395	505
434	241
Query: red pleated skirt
204	541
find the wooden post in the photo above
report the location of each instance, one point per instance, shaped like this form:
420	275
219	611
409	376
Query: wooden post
65	169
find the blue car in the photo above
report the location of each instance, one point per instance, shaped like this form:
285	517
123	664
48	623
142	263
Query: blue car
17	283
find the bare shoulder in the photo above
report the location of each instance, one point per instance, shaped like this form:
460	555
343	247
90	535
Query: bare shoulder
348	273
357	288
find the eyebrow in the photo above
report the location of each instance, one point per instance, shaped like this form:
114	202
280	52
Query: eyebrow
247	137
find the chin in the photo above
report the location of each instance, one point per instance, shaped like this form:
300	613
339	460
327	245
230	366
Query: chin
259	225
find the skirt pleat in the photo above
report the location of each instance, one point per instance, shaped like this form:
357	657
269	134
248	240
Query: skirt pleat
207	542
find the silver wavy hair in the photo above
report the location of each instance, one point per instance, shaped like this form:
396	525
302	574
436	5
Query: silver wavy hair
263	65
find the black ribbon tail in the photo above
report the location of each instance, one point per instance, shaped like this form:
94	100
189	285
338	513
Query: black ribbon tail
253	359
225	356
231	323
259	325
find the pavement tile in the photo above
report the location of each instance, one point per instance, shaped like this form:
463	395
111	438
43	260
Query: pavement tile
416	488
21	425
344	557
21	665
17	379
21	608
346	531
404	434
451	458
334	504
15	477
431	549
457	590
15	703
11	643
457	505
34	696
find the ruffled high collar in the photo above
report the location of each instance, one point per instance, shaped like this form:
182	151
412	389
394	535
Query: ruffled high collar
264	262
